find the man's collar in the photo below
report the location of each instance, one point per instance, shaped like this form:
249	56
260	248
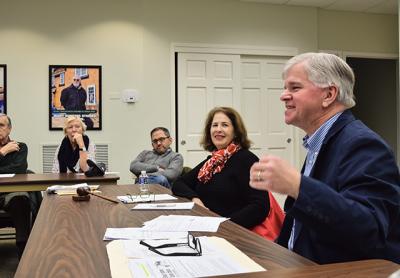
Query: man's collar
315	139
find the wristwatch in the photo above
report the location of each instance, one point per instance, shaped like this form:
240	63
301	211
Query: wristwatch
83	149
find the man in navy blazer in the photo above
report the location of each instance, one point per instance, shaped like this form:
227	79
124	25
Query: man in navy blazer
345	203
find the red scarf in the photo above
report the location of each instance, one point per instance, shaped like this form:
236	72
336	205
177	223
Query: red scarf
217	162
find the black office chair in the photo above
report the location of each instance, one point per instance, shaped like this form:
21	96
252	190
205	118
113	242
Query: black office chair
6	220
36	199
185	170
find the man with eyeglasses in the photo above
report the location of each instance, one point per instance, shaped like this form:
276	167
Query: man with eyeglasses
161	164
73	98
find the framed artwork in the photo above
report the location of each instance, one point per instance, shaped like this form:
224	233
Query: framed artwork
3	89
75	90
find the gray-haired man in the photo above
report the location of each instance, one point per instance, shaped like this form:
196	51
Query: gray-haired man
13	160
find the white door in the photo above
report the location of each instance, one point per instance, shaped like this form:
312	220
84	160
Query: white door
250	84
204	81
262	110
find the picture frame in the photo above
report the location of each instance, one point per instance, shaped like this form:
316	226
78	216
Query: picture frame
3	88
75	90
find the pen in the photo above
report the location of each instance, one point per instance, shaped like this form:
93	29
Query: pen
166	205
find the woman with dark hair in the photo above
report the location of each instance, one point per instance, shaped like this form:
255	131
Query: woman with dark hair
221	182
75	149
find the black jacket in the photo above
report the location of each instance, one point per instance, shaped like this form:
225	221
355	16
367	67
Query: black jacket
73	98
228	193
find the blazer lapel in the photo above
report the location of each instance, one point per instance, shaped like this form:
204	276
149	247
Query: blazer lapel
345	118
340	123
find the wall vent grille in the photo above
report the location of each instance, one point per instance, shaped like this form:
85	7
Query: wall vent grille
48	151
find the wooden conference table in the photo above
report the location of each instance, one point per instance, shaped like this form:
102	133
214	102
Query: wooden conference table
67	241
39	182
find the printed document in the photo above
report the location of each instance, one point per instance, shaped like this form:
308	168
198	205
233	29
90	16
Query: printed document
140	199
164	206
184	223
139	233
128	258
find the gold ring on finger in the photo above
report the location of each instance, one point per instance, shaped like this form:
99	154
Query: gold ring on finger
259	176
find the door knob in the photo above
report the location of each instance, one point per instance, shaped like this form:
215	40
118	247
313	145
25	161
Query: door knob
183	142
289	140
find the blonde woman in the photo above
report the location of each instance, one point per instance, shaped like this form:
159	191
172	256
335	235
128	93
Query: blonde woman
75	148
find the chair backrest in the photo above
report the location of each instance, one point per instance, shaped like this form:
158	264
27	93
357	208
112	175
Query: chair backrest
185	170
5	219
6	222
272	225
35	198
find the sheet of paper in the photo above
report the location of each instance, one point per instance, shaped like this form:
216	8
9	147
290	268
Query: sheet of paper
229	249
184	223
183	266
133	248
139	233
163	206
7	175
219	257
138	199
105	173
119	262
68	189
73	191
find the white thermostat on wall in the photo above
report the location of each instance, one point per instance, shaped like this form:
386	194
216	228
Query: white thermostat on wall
129	96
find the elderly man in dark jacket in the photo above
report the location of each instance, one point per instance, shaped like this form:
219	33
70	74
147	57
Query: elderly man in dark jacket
13	161
74	96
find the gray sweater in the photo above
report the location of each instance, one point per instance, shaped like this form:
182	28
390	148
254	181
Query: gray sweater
149	161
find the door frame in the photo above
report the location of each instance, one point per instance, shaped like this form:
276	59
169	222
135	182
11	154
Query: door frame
391	56
224	49
376	55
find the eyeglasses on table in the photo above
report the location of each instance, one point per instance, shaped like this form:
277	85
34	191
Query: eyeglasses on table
192	242
142	197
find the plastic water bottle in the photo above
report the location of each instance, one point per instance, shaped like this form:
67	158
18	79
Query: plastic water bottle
143	186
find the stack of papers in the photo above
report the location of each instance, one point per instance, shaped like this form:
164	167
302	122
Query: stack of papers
141	199
128	258
184	223
164	206
68	189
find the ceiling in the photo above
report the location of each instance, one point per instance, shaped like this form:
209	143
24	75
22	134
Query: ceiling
367	6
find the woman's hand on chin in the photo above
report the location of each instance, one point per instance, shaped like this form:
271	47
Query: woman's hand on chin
78	139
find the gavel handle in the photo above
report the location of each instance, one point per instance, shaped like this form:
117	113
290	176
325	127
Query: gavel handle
105	198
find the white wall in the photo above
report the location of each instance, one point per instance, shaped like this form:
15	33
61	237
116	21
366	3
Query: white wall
132	39
357	32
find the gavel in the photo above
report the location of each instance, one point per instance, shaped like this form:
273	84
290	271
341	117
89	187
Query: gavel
84	195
